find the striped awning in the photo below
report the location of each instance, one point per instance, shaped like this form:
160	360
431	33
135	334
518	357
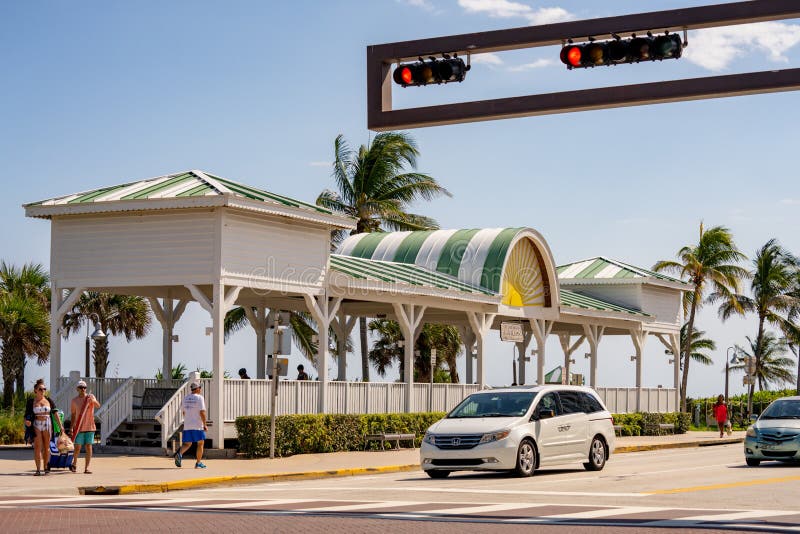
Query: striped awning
403	274
604	268
186	184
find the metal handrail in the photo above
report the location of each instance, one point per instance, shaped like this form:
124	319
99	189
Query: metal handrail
118	408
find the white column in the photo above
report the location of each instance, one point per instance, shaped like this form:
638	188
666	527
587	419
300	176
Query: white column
522	356
323	310
342	326
468	339
639	338
676	370
481	323
593	333
541	329
409	316
568	349
167	316
59	306
258	318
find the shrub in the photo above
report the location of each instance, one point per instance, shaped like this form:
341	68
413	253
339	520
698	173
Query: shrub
12	430
646	424
303	434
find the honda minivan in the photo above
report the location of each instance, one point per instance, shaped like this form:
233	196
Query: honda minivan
520	429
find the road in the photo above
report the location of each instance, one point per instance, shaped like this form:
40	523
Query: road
701	489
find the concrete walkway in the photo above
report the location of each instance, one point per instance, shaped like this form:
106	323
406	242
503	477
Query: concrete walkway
143	474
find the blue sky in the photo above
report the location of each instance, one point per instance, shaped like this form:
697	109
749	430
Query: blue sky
98	93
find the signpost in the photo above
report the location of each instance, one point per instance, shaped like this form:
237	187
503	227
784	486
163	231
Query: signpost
278	367
430	388
510	331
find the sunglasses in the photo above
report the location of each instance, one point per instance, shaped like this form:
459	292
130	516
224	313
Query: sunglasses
81	387
41	389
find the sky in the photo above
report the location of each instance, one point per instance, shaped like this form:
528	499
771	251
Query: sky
100	93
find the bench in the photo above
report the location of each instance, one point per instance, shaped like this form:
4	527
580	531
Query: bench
661	428
618	430
383	437
152	399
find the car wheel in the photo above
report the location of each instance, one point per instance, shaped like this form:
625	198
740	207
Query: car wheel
597	455
752	462
526	459
435	473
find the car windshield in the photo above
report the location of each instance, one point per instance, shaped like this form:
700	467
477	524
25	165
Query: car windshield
782	409
501	404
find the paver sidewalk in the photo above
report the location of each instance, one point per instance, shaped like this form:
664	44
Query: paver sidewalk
151	473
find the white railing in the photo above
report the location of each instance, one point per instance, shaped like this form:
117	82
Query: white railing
623	400
170	417
65	392
116	409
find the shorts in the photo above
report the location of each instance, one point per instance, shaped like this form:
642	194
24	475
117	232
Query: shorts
42	425
85	438
191	436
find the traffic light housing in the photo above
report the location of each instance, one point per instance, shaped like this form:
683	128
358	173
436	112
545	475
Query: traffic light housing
445	70
617	51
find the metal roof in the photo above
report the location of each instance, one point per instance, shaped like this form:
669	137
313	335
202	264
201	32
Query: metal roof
605	268
402	274
572	299
179	185
474	256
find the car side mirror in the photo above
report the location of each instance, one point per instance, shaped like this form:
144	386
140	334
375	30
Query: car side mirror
544	413
754	417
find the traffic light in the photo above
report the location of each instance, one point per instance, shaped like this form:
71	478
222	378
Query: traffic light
618	50
445	70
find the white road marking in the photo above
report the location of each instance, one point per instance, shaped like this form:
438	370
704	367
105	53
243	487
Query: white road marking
418	489
53	500
749	514
130	503
363	506
469	510
244	504
603	512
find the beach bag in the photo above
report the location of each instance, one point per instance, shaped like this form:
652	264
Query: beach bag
64	444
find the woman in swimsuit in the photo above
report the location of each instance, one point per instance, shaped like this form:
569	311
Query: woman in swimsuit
40	408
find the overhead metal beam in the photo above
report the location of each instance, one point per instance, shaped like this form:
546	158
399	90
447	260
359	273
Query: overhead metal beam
381	57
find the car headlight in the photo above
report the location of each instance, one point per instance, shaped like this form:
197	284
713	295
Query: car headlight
752	432
494	436
429	438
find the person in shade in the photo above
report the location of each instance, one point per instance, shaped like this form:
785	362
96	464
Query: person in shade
193	408
83	429
243	374
301	373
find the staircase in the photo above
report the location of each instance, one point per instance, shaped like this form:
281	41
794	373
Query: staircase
142	433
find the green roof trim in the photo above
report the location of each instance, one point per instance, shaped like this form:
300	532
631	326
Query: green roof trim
578	300
600	268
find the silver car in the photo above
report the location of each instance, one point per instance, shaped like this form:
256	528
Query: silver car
776	433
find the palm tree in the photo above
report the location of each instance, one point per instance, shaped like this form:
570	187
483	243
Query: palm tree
25	331
773	294
771	367
118	314
711	263
178	373
387	349
373	187
699	345
30	282
303	330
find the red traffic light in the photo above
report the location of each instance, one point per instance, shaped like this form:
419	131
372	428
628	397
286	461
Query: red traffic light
434	71
571	56
617	50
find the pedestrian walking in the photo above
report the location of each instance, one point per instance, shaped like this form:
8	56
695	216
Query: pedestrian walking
193	407
721	414
301	373
243	374
38	412
83	427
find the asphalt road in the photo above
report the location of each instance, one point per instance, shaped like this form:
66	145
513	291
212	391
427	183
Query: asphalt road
702	489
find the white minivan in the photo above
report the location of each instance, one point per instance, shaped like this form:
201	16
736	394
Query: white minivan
520	429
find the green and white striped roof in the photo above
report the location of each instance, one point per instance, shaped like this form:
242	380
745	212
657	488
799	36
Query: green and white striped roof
402	274
475	257
601	268
186	184
572	299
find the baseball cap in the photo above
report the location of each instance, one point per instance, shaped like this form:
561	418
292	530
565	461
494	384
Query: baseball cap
81	384
194	385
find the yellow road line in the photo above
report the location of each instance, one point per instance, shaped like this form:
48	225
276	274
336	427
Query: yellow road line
725	486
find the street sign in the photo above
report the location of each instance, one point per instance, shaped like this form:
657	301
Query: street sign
433	358
511	332
283	366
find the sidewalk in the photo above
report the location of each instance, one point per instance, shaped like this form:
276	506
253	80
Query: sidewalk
148	474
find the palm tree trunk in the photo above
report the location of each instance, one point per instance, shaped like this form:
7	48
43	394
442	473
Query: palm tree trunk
362	325
21	376
687	349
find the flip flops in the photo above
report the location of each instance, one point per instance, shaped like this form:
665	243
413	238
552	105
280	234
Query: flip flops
73	468
87	472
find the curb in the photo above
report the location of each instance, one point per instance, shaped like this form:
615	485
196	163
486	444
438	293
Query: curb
684	445
162	487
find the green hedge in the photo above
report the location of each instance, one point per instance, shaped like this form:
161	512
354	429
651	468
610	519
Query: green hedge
12	430
302	434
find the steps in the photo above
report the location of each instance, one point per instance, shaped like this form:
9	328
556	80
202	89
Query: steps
138	434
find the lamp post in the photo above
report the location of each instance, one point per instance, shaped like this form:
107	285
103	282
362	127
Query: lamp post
727	369
97	335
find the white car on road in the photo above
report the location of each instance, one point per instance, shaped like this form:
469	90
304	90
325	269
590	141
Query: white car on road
520	429
776	433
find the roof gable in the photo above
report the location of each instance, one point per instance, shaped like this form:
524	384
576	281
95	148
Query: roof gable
599	268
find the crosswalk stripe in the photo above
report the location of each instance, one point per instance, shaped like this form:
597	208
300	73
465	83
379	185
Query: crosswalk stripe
469	510
244	504
133	503
748	514
363	506
54	500
603	512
